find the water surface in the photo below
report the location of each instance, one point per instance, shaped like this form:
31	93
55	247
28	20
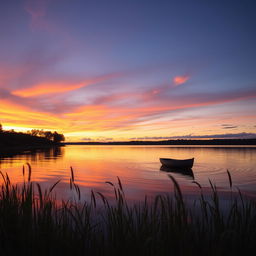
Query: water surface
138	167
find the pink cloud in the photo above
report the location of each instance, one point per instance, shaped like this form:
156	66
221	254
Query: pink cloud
178	80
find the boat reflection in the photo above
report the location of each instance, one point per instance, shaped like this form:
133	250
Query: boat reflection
184	171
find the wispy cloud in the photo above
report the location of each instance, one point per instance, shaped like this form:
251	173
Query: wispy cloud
37	9
228	126
86	139
41	20
152	138
242	135
13	113
112	114
34	67
59	87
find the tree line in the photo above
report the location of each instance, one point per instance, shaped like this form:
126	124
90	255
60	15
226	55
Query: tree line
49	135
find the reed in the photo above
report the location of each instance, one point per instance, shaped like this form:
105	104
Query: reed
34	222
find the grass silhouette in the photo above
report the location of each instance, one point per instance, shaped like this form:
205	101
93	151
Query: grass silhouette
34	222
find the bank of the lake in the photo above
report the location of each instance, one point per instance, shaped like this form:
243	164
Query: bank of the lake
12	143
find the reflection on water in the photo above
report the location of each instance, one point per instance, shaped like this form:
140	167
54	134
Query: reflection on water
137	166
33	155
186	172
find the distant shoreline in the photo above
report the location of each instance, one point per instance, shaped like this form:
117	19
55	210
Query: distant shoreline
19	149
218	142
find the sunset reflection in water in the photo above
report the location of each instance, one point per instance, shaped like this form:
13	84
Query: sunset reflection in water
138	167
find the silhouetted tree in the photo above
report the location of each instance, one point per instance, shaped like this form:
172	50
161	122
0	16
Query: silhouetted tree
1	128
57	137
48	135
34	132
53	136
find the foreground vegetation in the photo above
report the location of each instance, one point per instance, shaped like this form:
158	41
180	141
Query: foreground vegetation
34	222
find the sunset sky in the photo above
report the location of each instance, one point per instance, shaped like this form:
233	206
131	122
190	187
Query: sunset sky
125	70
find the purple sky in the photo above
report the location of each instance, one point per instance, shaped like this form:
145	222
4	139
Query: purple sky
116	70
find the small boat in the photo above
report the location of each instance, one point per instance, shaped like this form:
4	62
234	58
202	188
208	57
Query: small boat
176	163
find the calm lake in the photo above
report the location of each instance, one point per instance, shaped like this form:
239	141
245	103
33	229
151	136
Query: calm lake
138	167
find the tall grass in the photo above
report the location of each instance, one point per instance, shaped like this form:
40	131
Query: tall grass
33	222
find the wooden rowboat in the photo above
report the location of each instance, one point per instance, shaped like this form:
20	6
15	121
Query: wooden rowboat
176	163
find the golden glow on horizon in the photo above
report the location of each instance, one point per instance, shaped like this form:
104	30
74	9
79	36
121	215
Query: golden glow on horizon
121	115
16	115
103	123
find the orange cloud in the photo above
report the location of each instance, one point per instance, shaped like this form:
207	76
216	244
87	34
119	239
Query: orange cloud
58	87
48	88
18	115
178	80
